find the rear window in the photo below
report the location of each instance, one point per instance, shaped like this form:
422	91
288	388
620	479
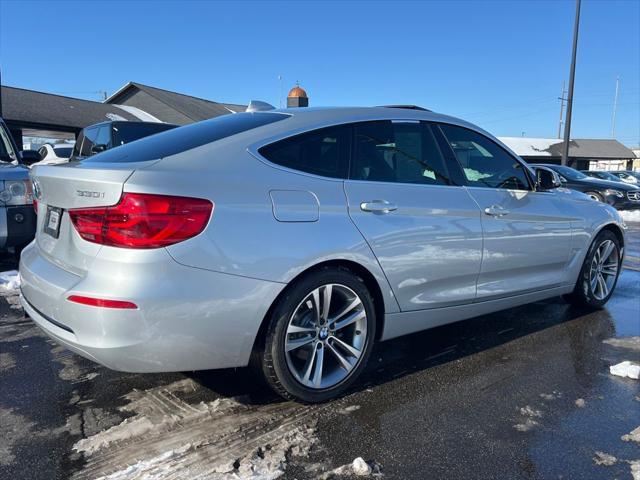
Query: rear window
128	132
185	138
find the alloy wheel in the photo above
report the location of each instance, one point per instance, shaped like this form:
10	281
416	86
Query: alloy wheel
326	336
604	269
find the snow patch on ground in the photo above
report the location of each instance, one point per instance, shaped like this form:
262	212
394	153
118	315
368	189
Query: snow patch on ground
528	421
7	362
602	458
631	343
630	215
634	436
221	439
349	409
551	396
626	369
14	428
359	467
10	280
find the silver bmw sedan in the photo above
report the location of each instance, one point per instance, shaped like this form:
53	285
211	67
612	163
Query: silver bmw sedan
293	240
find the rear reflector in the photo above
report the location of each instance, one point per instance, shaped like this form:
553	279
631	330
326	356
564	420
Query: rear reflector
101	302
141	220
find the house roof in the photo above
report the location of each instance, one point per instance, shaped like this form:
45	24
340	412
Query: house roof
34	108
192	107
578	148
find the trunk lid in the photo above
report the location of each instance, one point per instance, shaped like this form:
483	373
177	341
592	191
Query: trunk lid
75	185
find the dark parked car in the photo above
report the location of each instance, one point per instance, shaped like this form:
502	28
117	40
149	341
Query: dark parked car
104	136
17	216
602	175
625	177
622	196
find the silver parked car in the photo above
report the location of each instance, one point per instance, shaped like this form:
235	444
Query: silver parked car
295	239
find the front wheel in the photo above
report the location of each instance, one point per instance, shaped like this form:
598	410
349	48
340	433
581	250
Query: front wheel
599	273
319	336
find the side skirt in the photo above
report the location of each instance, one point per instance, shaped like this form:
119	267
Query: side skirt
403	323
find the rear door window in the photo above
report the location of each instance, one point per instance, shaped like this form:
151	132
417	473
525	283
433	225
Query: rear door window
104	135
321	152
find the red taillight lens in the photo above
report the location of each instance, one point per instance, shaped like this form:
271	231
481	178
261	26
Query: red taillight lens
35	205
143	220
101	302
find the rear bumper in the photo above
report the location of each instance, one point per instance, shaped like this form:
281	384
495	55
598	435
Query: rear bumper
187	318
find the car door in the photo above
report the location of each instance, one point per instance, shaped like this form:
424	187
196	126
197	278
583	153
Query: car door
424	230
527	234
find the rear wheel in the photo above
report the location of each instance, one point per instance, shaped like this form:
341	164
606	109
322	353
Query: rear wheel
599	273
319	336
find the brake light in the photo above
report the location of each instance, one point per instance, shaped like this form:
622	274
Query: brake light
101	302
141	220
35	205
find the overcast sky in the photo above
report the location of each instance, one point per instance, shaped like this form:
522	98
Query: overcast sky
498	64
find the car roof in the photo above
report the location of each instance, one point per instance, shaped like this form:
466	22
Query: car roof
308	118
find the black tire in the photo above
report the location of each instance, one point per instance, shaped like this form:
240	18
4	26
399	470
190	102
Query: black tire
583	294
596	196
271	360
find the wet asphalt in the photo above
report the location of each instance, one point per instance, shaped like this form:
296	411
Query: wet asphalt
523	393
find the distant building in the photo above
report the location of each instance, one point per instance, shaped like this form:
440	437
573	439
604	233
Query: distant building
584	154
167	106
29	113
297	97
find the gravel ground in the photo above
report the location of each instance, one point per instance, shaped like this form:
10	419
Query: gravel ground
524	393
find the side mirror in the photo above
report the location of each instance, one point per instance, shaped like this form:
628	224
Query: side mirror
546	180
29	157
99	147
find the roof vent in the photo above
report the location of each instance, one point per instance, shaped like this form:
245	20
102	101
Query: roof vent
407	107
258	106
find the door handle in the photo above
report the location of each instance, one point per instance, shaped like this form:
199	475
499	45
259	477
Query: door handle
378	206
496	211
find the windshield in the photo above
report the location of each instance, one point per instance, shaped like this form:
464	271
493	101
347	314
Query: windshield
569	172
7	152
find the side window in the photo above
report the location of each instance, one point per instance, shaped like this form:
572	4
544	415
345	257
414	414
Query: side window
403	152
321	152
484	162
90	135
104	135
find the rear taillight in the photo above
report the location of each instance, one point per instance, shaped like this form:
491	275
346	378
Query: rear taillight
141	220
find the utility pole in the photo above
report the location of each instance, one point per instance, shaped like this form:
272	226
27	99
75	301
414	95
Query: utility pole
615	106
562	100
572	75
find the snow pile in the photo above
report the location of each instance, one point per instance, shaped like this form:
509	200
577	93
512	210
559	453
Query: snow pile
359	467
630	215
626	369
634	436
10	280
602	458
